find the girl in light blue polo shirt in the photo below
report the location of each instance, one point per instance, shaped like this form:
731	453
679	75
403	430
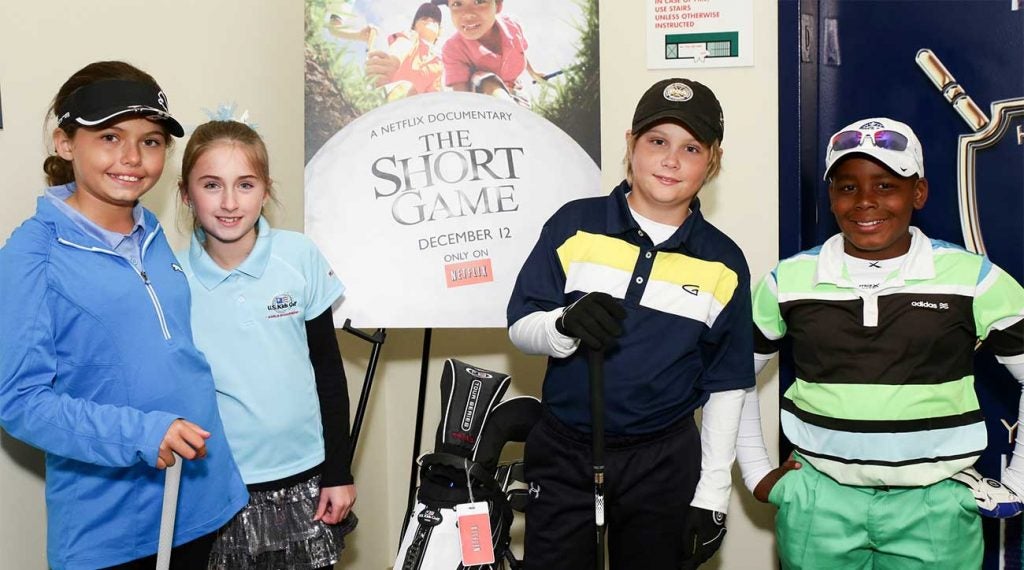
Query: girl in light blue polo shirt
261	309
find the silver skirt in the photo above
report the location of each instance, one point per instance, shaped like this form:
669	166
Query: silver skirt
276	531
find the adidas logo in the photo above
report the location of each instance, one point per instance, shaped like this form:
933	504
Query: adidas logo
930	305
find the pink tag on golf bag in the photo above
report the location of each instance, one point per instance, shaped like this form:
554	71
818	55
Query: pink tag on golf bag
474	522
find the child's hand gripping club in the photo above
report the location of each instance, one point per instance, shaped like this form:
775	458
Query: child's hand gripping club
594	319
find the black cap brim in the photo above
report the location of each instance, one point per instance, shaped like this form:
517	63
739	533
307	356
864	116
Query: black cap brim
173	127
704	133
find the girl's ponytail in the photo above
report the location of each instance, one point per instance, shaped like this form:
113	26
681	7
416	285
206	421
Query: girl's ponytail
58	171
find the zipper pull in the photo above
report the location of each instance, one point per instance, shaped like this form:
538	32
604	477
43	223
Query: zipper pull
145	278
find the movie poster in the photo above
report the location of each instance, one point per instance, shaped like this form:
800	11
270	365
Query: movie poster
439	138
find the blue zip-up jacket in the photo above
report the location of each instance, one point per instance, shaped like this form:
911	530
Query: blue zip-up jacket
96	361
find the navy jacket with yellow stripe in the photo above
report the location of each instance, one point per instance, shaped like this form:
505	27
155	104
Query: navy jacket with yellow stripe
687	330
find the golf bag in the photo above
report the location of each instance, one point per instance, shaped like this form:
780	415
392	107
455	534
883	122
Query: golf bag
463	468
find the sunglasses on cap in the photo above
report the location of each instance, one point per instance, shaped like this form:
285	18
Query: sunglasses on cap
889	140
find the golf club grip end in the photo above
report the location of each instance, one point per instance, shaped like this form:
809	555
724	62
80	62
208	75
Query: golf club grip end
934	69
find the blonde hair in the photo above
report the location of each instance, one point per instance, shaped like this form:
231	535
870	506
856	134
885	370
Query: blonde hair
58	170
714	160
213	133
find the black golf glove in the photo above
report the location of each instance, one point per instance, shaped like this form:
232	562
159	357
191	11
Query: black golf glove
594	319
703	533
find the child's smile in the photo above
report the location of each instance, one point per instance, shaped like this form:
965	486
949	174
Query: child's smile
227	195
873	207
669	166
114	166
474	19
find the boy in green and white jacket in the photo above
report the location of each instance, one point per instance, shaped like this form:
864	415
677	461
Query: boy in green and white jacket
883	414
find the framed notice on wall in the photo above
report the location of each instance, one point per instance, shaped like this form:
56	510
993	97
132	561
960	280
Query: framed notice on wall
700	33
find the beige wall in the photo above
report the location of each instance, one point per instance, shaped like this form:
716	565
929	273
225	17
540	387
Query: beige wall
249	52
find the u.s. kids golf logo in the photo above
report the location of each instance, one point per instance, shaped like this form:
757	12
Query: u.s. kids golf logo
282	305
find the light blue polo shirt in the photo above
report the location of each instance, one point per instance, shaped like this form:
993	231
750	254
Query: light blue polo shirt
250	323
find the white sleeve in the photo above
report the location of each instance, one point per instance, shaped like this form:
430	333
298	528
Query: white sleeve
536	334
760	360
1016	369
751	452
1013	475
718	428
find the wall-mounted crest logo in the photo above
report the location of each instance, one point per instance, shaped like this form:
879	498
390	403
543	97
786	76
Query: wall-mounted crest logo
989	133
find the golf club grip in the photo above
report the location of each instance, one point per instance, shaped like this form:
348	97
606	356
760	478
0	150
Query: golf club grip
172	480
954	93
551	75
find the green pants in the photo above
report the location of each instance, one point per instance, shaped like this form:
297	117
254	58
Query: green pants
822	524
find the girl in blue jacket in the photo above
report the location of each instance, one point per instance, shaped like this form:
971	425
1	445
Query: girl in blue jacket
97	364
261	303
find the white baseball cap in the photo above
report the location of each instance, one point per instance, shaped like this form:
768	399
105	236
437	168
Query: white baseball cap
891	142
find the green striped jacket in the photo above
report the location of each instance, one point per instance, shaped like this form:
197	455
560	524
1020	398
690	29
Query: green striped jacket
884	390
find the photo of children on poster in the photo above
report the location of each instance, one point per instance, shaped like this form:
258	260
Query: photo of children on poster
439	138
362	54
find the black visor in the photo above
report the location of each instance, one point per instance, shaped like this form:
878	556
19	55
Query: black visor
103	101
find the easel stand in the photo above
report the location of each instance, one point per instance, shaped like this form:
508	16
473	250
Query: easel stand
377	340
420	403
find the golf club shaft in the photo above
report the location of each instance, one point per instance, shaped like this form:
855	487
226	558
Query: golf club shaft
172	479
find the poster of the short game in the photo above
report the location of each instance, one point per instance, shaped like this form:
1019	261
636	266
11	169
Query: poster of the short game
440	136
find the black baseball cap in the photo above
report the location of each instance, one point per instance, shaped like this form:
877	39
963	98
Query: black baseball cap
683	100
427	10
102	101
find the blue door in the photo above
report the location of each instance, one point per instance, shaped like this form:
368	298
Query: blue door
842	60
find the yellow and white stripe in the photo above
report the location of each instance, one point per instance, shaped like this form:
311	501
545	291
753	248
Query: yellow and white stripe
689	287
593	262
678	284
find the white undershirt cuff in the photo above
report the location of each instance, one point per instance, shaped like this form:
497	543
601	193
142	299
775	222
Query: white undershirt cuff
536	334
719	426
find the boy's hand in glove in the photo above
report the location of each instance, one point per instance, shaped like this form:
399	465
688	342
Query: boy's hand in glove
594	319
703	533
